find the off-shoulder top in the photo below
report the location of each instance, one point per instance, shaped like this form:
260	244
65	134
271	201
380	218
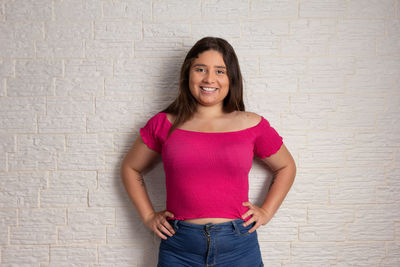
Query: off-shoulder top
206	173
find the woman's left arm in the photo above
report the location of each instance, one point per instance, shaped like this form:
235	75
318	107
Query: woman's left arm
284	171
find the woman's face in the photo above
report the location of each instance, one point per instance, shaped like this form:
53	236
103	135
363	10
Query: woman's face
208	79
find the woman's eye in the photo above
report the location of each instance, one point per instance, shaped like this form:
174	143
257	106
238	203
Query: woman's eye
220	72
200	70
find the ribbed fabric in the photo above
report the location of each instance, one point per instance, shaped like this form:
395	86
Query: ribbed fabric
207	173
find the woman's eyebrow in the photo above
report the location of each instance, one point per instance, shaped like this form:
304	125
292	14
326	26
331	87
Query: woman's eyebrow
204	65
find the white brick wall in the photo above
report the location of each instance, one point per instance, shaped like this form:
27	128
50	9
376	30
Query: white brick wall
78	78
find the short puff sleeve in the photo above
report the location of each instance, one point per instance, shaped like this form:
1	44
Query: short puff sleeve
150	133
268	141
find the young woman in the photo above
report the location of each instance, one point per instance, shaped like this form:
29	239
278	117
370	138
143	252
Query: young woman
207	143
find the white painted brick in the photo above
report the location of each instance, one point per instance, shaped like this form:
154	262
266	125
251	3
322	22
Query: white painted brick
93	68
83	161
360	254
361	156
114	114
8	217
108	49
371	9
389	45
79	86
322	231
277	233
91	216
7	143
227	29
21	30
373	222
41	68
33	235
117	30
273	9
72	255
278	75
62	124
312	187
40	143
127	216
388	194
30	86
61	106
298	121
329	213
308	37
267	45
73	180
6	67
77	10
110	192
63	197
392	177
128	234
225	9
166	30
35	105
249	66
356	28
314	106
357	120
316	158
21	189
90	142
318	82
17	49
271	251
41	217
31	10
312	251
152	103
82	234
393	257
176	10
133	10
123	142
157	47
24	255
322	9
357	185
349	46
68	30
32	161
127	255
60	50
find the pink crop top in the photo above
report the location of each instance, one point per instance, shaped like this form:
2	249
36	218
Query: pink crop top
206	174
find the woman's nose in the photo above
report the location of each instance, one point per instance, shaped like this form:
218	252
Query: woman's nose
209	77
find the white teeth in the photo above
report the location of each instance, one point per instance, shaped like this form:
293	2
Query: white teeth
208	89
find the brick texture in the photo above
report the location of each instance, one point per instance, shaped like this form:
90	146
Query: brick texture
78	78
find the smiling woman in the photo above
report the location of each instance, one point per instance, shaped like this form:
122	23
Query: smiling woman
207	143
208	82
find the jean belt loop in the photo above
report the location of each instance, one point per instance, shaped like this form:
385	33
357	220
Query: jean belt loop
176	227
235	226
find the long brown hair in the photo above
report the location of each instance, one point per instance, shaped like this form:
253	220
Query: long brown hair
184	106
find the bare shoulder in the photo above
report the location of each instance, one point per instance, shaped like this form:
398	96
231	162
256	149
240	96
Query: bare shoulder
248	119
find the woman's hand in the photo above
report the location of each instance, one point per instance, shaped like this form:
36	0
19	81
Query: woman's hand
157	222
260	216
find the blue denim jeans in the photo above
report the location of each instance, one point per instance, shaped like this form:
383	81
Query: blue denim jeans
225	244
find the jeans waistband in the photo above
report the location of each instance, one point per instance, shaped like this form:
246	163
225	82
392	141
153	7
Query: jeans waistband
207	226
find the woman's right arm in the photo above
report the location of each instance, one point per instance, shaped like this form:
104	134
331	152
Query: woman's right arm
138	159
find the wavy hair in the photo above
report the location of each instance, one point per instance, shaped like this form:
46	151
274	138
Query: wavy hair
185	105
